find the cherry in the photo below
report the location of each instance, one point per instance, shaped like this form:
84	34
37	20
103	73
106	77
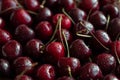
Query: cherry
2	23
4	67
98	19
32	5
20	16
5	36
54	51
69	65
33	48
111	10
46	72
23	64
90	71
23	77
65	22
80	50
105	2
44	30
106	62
66	78
110	77
51	3
77	14
23	33
11	50
88	5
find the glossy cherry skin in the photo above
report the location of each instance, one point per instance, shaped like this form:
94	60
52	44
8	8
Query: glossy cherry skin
80	50
77	14
23	33
33	48
23	64
110	77
4	67
23	77
106	62
64	64
98	19
46	72
11	50
90	71
5	36
54	51
65	78
2	23
88	5
32	5
65	21
20	16
44	30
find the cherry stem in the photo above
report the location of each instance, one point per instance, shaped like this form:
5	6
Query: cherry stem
18	4
63	10
95	38
116	54
117	37
90	59
68	51
31	12
6	10
43	3
108	21
89	14
69	71
82	35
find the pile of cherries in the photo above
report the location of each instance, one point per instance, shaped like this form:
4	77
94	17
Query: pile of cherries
60	39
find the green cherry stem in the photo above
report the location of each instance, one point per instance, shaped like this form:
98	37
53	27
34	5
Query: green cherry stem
108	21
69	71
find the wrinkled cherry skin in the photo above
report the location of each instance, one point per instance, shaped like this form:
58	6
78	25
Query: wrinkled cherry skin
65	63
46	72
21	64
33	48
2	23
23	33
87	5
4	67
106	62
54	51
90	71
44	30
4	37
11	50
32	5
65	78
110	77
77	14
65	22
112	10
23	77
80	50
20	16
98	19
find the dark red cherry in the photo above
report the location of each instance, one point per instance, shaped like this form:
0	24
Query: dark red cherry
33	48
44	14
4	67
32	5
23	77
80	50
90	71
23	64
111	10
105	2
11	50
98	19
44	30
54	51
2	23
65	78
106	62
65	21
110	77
46	72
77	14
69	65
51	3
5	36
88	5
20	16
23	33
